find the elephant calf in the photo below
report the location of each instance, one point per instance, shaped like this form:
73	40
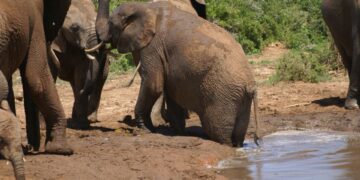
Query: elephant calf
86	72
196	64
10	133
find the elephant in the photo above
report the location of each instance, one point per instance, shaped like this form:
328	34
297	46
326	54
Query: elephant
197	65
10	133
342	18
192	6
69	61
26	29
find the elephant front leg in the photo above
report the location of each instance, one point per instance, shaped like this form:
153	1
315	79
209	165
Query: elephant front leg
150	90
41	87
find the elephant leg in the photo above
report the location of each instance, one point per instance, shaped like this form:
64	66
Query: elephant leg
79	113
95	97
41	87
218	121
353	91
242	123
176	116
150	90
11	96
31	115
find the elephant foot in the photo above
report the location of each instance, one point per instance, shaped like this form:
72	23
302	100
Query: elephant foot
351	104
146	127
56	143
93	118
58	147
76	124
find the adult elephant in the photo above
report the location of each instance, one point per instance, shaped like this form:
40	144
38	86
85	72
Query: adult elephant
196	64
86	73
191	6
342	17
10	132
25	28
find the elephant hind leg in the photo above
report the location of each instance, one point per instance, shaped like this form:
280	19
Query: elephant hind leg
218	122
176	116
242	123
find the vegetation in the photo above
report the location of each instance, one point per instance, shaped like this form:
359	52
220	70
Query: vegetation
256	23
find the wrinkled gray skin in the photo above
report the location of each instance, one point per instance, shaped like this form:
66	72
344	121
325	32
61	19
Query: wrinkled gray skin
86	76
342	17
196	7
26	27
196	64
10	133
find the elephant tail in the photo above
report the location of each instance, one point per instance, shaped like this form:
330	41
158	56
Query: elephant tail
257	136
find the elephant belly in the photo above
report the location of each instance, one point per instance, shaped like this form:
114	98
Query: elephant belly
185	92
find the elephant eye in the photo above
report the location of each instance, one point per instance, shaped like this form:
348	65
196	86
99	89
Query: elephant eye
75	27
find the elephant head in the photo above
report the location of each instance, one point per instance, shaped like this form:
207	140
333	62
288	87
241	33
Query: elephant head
78	33
10	139
10	142
131	28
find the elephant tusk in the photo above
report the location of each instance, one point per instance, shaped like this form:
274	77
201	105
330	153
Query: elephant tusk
7	163
24	159
54	58
133	76
90	57
95	47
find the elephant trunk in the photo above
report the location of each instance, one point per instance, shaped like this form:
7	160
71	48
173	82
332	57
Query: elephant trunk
102	25
18	164
95	66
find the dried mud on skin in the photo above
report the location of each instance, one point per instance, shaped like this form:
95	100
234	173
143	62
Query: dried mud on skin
114	150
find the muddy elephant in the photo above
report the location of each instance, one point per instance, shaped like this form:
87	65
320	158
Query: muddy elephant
10	132
342	18
26	29
196	64
86	72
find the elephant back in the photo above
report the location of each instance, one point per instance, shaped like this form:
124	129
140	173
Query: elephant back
3	87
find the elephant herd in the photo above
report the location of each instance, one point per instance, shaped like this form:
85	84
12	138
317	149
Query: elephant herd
186	63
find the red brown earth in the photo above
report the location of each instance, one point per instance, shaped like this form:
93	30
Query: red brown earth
114	150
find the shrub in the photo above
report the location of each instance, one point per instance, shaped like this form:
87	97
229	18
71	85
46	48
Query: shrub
310	64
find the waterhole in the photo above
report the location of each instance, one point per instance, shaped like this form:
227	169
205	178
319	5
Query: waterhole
297	155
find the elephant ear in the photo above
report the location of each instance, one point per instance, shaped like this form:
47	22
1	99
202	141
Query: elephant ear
140	30
59	44
54	16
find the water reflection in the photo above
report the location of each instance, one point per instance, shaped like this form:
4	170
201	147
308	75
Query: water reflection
298	155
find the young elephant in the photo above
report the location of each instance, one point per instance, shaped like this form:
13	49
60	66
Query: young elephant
10	135
86	72
198	65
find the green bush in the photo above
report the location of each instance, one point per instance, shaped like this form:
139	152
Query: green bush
311	64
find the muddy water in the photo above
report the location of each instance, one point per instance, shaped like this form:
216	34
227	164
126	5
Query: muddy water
297	155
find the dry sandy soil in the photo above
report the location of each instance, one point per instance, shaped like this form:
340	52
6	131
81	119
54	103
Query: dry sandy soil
114	150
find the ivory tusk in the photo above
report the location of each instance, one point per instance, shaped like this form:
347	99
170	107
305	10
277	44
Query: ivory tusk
90	57
133	77
95	47
54	58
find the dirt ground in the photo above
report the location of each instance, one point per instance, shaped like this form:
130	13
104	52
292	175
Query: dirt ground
114	150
